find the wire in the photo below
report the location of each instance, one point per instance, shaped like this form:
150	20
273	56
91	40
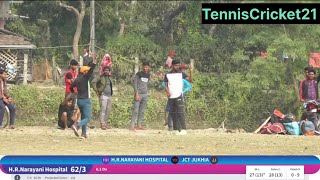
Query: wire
56	47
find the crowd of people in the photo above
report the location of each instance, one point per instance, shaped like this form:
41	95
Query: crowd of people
75	110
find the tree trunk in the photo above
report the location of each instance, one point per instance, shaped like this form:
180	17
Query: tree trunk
121	20
77	34
211	30
168	19
122	25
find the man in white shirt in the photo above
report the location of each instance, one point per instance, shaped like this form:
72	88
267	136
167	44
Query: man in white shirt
174	90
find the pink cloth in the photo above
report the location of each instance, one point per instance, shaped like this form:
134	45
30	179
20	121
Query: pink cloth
105	61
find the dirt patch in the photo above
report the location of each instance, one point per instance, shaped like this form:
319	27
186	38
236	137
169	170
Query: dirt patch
50	140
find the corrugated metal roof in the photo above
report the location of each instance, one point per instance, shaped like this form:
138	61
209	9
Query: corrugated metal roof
10	39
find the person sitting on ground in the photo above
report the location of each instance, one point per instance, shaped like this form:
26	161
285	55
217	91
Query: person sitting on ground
68	113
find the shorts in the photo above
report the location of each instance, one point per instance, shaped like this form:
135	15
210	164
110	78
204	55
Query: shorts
69	119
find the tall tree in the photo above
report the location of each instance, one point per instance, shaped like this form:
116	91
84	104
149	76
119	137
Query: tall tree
79	15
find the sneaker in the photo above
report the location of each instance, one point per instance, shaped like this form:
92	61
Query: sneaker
171	132
83	136
140	128
91	126
132	129
75	129
182	132
103	127
11	127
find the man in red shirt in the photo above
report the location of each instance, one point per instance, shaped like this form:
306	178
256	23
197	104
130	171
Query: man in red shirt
70	76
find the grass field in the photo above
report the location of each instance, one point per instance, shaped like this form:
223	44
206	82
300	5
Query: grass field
53	141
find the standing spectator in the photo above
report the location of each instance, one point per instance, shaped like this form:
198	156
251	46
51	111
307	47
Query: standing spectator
187	87
309	87
70	76
174	90
105	61
306	71
140	85
103	87
86	57
183	67
5	99
83	98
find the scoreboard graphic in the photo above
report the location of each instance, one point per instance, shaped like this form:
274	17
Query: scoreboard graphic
160	167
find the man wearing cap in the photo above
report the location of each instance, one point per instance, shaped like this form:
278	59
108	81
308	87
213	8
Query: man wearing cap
69	78
174	89
5	99
83	98
103	87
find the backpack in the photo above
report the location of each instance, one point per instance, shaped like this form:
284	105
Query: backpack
292	128
275	128
307	128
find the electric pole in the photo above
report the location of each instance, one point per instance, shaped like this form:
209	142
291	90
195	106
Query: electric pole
92	27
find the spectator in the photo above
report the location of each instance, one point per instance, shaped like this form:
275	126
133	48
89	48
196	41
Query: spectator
174	90
187	87
103	87
68	113
70	76
140	85
309	87
5	99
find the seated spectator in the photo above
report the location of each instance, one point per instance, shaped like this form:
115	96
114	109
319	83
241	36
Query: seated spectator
68	113
5	99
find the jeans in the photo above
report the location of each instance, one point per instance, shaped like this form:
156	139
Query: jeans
170	122
85	111
105	109
177	113
3	110
138	109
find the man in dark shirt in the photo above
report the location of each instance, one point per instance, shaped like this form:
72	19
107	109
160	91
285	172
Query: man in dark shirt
103	87
140	85
309	87
68	113
83	98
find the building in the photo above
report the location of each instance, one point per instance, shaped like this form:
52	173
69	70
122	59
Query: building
15	49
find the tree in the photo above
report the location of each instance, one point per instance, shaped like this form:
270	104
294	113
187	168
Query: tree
79	15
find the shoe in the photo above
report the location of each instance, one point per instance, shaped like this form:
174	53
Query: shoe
170	129
132	129
83	136
140	128
181	133
171	132
91	126
103	127
75	129
11	127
